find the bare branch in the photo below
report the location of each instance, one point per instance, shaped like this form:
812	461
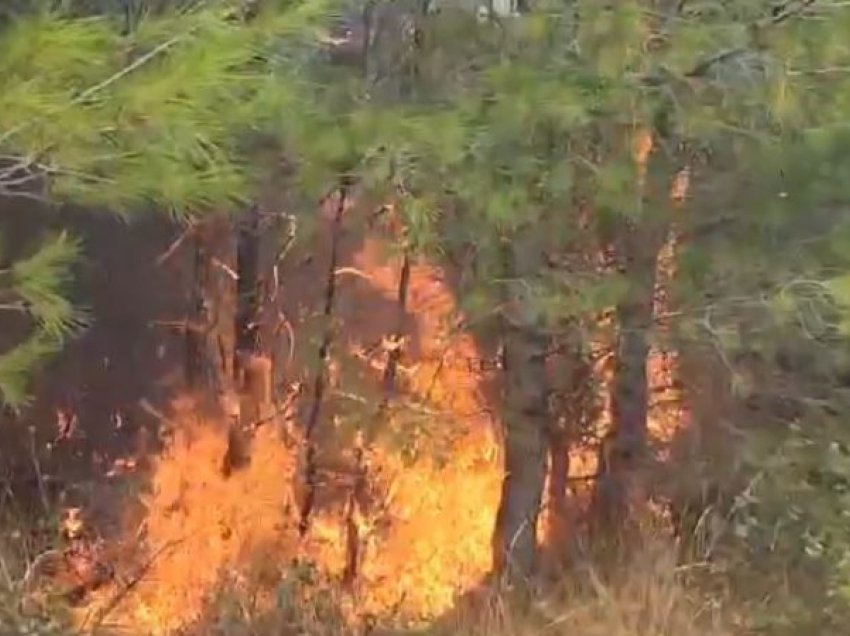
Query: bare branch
826	70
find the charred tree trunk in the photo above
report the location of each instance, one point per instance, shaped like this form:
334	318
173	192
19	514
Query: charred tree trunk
252	367
623	452
575	406
397	339
209	326
355	508
639	247
559	471
248	287
526	420
320	383
251	372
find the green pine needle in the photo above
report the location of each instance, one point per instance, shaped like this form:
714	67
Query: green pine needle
42	282
18	365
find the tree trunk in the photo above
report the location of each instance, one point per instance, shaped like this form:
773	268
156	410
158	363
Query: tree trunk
252	362
559	472
321	379
624	449
209	325
248	289
526	421
574	405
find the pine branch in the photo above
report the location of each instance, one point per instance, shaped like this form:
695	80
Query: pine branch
17	366
136	64
93	90
41	282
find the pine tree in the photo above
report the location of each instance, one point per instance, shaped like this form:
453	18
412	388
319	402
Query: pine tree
518	125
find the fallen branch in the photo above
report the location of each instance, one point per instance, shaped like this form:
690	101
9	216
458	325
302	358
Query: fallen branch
353	271
182	325
150	409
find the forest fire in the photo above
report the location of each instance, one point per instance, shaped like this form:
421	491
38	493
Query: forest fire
424	536
406	475
422	539
366	319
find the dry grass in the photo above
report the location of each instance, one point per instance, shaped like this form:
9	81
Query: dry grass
22	611
649	596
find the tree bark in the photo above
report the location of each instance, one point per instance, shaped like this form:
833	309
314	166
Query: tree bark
248	288
209	325
321	380
526	421
252	362
574	405
624	449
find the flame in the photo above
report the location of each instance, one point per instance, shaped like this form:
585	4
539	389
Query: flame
432	541
198	525
667	412
443	519
428	540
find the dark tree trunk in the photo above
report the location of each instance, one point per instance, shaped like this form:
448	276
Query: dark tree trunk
559	471
394	356
254	329
357	505
248	287
623	451
252	362
321	380
574	405
209	325
526	421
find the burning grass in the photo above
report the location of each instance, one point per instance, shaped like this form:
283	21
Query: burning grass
224	555
202	532
646	595
198	525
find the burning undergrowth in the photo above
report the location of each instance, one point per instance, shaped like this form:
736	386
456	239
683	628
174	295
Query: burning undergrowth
404	478
405	491
422	544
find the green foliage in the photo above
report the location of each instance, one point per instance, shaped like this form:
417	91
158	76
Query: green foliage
41	282
37	287
154	117
18	364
